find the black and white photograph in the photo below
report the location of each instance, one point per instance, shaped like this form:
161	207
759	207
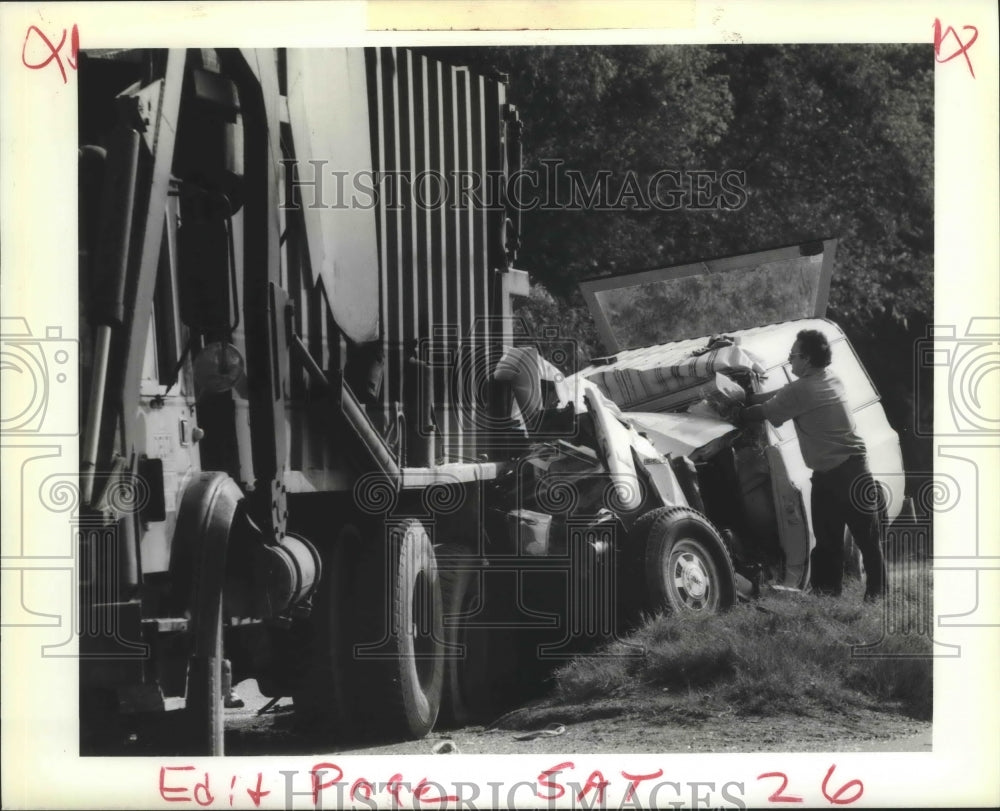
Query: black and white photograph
612	411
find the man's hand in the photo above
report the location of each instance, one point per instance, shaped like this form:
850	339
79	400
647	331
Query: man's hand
745	416
758	397
729	410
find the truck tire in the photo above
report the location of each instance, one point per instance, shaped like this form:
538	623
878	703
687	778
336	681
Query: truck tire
687	567
320	699
399	659
465	653
204	711
634	601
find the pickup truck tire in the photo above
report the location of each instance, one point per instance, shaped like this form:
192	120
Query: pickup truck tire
634	602
687	567
398	662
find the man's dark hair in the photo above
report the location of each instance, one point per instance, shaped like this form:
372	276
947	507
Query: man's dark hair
815	347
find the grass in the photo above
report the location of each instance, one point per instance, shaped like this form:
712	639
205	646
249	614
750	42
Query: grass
784	653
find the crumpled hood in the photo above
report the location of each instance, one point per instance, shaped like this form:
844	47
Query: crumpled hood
681	434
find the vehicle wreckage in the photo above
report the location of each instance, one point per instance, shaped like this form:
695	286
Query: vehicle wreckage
314	449
687	510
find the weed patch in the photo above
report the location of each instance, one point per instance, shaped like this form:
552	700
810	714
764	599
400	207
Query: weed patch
784	653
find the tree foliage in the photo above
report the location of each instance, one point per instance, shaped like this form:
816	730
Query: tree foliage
834	140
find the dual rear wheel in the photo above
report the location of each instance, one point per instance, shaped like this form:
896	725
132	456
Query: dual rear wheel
387	650
395	643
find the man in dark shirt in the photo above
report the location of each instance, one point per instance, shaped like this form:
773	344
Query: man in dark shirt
843	489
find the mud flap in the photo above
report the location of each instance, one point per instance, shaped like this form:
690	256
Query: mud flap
793	528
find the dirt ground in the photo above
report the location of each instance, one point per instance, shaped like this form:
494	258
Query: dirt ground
621	731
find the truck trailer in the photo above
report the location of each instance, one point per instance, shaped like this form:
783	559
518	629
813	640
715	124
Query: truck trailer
283	406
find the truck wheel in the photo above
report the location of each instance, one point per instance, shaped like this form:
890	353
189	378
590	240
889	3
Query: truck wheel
204	710
687	566
631	577
199	728
320	696
399	661
465	661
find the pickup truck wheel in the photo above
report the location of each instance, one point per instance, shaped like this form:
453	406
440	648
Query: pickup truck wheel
399	661
687	565
634	599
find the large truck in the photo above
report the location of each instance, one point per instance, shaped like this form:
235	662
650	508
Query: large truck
310	424
282	415
317	448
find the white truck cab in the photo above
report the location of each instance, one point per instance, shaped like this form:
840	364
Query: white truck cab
669	332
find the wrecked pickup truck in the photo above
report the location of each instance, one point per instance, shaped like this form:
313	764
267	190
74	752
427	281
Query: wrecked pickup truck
638	484
633	493
753	484
588	528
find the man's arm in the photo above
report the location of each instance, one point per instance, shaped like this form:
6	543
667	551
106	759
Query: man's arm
754	412
777	407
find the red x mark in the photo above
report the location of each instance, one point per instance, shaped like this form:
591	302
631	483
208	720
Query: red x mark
54	50
963	47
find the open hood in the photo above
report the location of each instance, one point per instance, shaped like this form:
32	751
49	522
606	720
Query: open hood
711	297
681	434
